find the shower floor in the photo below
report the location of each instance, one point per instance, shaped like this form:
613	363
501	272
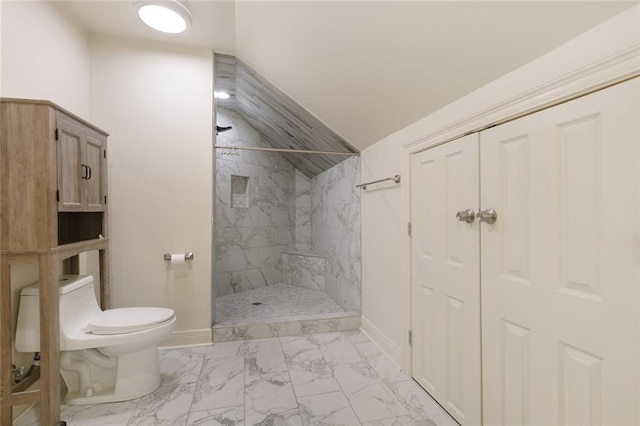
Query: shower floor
279	310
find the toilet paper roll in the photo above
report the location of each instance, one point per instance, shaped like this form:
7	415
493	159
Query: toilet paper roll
178	259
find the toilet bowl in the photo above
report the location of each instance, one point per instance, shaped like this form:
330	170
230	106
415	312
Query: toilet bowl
105	356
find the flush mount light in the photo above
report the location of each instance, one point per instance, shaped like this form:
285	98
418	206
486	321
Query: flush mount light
221	95
167	16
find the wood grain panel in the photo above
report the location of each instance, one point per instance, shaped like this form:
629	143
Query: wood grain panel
25	188
95	185
5	341
71	167
105	277
49	339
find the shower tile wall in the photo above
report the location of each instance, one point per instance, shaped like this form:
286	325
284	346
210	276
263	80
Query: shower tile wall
335	230
304	270
303	212
249	241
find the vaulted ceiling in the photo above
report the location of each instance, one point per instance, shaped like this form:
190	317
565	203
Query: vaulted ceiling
369	68
283	122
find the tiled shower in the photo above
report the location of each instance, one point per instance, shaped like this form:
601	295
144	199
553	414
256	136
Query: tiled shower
287	247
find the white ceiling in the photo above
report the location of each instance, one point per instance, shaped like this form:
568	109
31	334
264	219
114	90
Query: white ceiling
369	68
213	22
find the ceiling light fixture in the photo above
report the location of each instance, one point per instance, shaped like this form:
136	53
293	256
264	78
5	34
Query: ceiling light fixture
221	95
167	16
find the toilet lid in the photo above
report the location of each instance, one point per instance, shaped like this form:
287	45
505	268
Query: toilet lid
127	320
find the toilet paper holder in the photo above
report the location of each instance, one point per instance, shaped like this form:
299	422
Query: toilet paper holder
187	256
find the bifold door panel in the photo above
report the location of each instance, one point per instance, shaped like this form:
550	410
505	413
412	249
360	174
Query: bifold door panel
528	235
446	287
560	265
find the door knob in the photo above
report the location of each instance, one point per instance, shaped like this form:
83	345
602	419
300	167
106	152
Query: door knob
488	216
467	215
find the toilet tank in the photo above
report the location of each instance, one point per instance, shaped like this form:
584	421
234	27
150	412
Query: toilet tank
77	304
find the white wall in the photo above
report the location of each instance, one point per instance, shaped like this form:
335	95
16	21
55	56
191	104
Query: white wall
385	212
45	55
381	242
156	101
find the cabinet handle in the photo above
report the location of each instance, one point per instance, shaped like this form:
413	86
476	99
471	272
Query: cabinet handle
488	216
85	174
89	168
467	215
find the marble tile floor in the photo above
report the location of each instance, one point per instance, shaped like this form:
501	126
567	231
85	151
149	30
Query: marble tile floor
278	302
279	310
320	379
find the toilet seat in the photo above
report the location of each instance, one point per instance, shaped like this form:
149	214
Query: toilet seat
127	320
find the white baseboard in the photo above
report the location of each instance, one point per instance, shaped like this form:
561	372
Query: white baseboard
182	338
379	338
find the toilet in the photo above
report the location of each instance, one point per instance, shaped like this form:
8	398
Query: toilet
105	356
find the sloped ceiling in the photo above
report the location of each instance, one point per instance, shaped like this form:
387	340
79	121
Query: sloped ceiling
283	122
368	68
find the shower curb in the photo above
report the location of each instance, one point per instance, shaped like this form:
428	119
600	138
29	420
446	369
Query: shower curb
280	328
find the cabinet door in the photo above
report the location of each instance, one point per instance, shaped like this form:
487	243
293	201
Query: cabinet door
560	265
446	277
70	149
95	182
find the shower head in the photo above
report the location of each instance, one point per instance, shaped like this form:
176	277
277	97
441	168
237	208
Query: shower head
220	129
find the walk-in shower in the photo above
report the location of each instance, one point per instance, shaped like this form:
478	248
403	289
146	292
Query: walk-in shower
286	214
287	247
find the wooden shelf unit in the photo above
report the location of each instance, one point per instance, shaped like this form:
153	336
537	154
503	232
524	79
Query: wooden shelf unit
51	211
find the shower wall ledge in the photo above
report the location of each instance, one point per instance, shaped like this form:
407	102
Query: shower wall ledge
304	269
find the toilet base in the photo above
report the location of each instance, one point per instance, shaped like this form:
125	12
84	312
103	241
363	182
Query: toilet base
93	377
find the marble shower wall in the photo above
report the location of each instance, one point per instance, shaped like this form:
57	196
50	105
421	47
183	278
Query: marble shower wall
303	212
335	230
252	231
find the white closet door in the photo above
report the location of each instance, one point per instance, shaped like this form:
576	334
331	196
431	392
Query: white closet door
445	270
560	272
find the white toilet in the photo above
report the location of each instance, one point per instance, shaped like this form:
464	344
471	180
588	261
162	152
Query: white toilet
105	356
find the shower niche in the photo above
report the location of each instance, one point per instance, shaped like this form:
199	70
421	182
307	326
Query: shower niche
239	191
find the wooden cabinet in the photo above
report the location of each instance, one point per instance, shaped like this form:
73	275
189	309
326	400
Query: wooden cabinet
96	183
53	194
81	153
53	163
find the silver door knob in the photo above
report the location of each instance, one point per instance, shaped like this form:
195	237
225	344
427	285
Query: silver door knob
467	215
488	216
